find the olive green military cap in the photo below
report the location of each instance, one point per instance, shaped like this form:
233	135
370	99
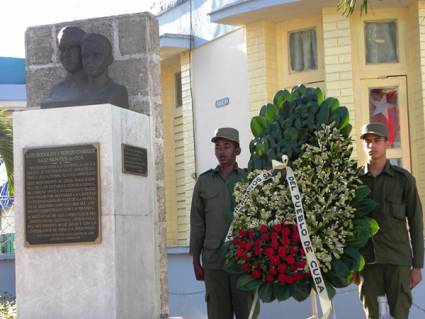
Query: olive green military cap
375	129
227	133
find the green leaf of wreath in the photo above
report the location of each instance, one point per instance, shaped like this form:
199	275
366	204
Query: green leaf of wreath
322	116
361	193
280	97
340	274
373	226
269	111
291	134
233	268
364	228
354	257
253	284
261	147
341	269
266	292
332	103
340	117
346	131
258	125
364	207
319	95
298	90
247	283
281	292
301	290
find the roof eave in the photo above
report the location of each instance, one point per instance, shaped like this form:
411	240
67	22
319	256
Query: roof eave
173	44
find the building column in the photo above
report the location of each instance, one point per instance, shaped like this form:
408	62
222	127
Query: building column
262	64
168	104
185	171
416	89
338	60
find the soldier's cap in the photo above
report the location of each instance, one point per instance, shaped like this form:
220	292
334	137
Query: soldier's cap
378	129
227	133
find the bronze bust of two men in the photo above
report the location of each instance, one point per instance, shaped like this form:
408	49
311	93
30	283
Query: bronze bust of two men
86	58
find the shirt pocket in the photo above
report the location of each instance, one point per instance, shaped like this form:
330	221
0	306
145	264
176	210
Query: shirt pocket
211	200
396	208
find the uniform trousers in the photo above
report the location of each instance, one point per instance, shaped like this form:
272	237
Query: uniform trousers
223	298
384	279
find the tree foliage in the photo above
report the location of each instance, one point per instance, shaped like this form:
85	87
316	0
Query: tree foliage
7	306
347	7
6	147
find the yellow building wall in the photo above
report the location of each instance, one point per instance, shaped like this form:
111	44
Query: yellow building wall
415	42
262	64
168	104
186	156
179	150
338	61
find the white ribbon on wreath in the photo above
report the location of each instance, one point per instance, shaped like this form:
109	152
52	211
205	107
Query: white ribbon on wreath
313	263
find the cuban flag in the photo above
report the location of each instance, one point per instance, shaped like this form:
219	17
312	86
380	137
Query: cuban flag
384	109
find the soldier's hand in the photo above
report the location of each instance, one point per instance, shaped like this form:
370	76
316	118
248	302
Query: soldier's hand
355	278
197	268
415	277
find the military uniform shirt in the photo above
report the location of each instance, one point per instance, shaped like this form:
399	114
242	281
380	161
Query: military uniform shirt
209	224
394	189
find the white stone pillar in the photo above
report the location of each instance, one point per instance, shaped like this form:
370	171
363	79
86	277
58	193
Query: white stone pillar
119	277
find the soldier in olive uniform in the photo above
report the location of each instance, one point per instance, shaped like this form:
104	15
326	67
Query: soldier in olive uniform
209	227
395	256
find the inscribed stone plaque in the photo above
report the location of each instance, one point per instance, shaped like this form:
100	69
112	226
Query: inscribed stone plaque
62	195
134	160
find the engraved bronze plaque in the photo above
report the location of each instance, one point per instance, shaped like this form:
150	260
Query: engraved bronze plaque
134	160
62	195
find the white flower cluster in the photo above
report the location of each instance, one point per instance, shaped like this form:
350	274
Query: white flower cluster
327	178
267	204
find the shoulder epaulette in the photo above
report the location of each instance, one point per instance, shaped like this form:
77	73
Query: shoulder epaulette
208	171
401	170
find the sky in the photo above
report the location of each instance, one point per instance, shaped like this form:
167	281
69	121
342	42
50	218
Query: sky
17	15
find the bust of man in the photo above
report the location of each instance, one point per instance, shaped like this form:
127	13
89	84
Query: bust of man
96	55
71	89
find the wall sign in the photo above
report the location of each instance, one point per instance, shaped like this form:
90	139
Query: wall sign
222	102
134	160
62	197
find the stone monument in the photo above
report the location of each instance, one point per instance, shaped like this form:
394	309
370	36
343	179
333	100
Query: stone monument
89	190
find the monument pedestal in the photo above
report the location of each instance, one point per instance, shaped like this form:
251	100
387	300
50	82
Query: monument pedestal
119	276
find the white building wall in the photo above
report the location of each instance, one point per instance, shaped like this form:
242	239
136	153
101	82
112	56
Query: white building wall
219	70
180	20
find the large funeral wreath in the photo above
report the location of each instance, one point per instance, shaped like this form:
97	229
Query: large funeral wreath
265	246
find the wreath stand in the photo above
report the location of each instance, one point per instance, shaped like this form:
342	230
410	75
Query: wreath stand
314	307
